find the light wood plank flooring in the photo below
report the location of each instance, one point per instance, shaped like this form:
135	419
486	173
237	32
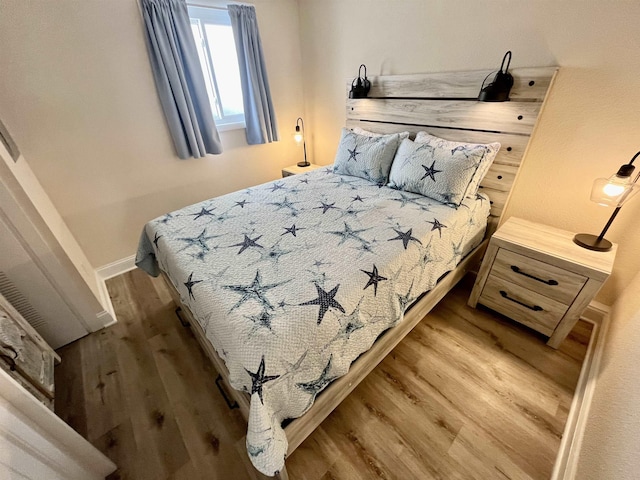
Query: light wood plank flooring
467	395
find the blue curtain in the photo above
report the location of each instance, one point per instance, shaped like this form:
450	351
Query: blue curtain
179	78
258	108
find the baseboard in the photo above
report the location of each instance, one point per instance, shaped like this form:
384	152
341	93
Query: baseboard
106	272
567	459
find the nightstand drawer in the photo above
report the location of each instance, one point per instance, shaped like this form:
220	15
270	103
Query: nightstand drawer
525	306
541	277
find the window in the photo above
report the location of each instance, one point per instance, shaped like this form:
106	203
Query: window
216	47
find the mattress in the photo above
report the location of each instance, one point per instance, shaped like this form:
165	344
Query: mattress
292	280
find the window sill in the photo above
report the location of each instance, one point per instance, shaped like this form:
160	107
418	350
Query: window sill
225	127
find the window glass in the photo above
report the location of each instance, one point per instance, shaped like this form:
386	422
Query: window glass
216	48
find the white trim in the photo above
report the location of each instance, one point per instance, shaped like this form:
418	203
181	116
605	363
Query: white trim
116	268
104	273
567	459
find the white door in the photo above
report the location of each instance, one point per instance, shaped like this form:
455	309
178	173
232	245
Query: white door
28	289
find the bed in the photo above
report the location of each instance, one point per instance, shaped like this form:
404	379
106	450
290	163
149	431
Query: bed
297	288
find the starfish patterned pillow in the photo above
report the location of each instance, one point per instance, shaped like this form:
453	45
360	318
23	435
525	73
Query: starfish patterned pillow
367	133
439	173
487	153
366	157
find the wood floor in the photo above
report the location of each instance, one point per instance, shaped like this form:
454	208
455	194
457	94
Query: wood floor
467	395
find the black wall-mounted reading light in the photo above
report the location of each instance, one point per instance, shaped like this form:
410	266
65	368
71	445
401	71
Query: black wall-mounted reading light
498	90
615	190
360	86
300	140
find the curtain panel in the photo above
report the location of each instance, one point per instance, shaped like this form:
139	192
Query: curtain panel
179	78
258	107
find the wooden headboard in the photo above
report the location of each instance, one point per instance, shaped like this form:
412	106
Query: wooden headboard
446	105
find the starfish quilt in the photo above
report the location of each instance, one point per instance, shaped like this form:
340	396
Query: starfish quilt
292	280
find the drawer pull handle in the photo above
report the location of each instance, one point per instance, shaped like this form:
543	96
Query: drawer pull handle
548	282
535	308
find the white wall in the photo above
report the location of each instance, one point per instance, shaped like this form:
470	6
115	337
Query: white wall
77	94
591	121
612	437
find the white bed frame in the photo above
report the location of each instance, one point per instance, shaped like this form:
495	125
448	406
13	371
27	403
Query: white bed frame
445	105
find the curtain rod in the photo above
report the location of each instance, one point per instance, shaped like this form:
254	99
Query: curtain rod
216	7
206	6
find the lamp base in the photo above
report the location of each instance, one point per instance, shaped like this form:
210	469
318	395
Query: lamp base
592	242
303	164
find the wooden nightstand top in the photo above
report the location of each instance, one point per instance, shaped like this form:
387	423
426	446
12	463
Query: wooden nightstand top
295	169
557	244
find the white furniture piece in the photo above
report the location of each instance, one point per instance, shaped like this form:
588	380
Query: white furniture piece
535	275
25	356
295	169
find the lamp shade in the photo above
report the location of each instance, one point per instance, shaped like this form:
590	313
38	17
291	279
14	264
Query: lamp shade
612	191
615	190
498	90
298	136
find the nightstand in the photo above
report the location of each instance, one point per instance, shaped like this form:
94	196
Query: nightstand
295	169
537	276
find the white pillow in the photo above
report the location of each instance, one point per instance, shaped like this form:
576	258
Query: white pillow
433	172
366	157
484	155
367	133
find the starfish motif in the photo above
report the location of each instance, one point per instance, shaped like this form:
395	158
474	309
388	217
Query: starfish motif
293	230
319	263
199	241
166	218
358	198
404	199
277	186
351	324
190	283
325	207
313	387
263	319
352	212
344	183
325	300
405	300
374	279
461	148
350	233
436	225
273	254
304	180
426	257
156	237
405	237
241	204
286	204
248	242
203	213
258	379
353	153
254	451
223	217
254	291
430	171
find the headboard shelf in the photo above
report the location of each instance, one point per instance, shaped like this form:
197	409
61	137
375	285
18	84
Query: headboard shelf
446	105
529	84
